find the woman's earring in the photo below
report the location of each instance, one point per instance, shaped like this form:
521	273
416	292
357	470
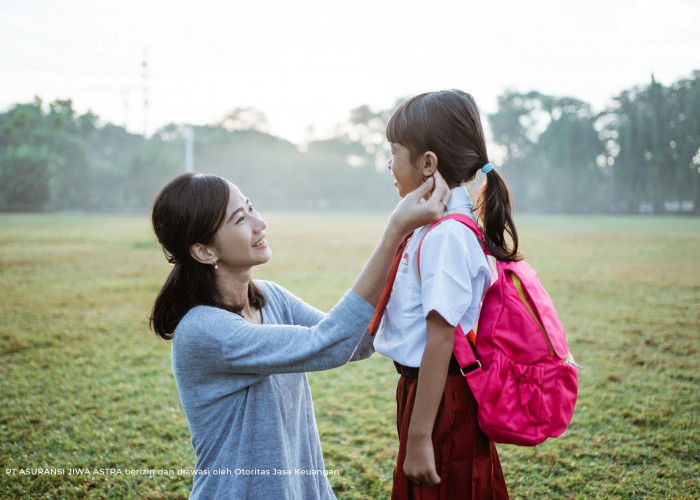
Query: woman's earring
216	266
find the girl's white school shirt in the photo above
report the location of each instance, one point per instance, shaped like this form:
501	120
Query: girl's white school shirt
455	275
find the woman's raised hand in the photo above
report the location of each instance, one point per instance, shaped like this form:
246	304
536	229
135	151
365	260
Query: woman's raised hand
422	206
418	208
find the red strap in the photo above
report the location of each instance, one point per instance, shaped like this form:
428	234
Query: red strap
467	361
464	219
386	291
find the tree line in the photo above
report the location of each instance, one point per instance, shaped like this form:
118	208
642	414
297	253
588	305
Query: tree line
640	154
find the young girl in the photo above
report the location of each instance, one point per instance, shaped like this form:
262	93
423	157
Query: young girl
442	451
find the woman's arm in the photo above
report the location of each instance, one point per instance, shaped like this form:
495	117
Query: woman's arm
242	347
304	314
419	465
267	349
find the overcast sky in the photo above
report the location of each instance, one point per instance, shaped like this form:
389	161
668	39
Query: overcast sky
310	61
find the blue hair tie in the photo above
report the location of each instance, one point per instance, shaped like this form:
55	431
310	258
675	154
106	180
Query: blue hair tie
487	168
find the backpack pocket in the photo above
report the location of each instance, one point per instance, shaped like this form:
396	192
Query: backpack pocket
513	278
522	281
516	328
517	405
562	409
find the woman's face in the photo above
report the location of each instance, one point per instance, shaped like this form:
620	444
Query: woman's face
407	176
240	241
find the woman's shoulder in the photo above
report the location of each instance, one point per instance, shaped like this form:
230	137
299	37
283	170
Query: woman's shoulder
273	291
203	318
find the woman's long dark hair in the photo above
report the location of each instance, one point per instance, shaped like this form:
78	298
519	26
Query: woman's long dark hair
448	124
189	210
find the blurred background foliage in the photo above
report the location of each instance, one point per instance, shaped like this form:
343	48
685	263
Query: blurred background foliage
641	154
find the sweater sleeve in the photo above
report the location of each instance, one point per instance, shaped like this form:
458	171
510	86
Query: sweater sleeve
302	313
268	349
307	315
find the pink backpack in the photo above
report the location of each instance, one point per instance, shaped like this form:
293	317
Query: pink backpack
523	376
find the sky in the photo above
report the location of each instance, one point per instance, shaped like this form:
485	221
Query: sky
307	63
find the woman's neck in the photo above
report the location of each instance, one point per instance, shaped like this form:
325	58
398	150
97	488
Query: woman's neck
233	288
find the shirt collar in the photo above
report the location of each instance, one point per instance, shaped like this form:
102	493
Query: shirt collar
459	201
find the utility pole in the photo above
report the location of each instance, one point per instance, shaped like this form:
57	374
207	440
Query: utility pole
189	148
125	96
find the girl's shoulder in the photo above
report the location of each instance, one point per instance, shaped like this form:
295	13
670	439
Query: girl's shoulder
451	244
449	230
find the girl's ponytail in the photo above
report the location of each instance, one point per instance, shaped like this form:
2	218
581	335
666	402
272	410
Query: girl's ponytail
495	211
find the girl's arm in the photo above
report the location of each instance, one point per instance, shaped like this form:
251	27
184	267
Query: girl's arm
419	465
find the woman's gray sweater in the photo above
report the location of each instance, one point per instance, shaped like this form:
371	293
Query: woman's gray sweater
247	398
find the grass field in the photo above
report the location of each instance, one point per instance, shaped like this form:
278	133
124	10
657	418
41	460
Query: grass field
84	385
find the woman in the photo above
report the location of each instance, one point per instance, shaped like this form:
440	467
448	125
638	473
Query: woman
241	347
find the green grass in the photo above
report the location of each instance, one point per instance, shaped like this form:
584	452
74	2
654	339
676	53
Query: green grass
85	385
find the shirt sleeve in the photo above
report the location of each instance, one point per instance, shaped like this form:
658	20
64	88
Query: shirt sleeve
453	272
269	349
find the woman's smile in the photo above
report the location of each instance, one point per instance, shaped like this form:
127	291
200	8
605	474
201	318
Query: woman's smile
261	243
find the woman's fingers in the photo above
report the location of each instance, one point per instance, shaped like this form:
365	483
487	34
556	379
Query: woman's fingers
422	190
422	206
441	194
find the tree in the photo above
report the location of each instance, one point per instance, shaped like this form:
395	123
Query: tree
27	161
244	119
555	157
567	153
25	177
658	137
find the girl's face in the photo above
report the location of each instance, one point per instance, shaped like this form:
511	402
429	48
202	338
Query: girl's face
240	241
407	175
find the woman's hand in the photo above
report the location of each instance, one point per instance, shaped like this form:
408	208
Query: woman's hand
422	206
419	465
418	208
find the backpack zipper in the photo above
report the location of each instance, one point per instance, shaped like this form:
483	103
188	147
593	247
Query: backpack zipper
521	293
571	361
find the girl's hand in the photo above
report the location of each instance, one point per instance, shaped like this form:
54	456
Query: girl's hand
422	206
419	465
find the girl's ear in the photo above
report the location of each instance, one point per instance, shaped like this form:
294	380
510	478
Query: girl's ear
202	253
428	163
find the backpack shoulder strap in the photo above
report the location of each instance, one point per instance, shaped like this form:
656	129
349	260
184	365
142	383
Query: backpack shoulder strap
470	366
464	219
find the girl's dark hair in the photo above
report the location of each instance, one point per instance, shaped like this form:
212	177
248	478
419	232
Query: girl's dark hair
189	210
448	124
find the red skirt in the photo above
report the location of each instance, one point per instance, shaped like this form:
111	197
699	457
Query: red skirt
466	460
